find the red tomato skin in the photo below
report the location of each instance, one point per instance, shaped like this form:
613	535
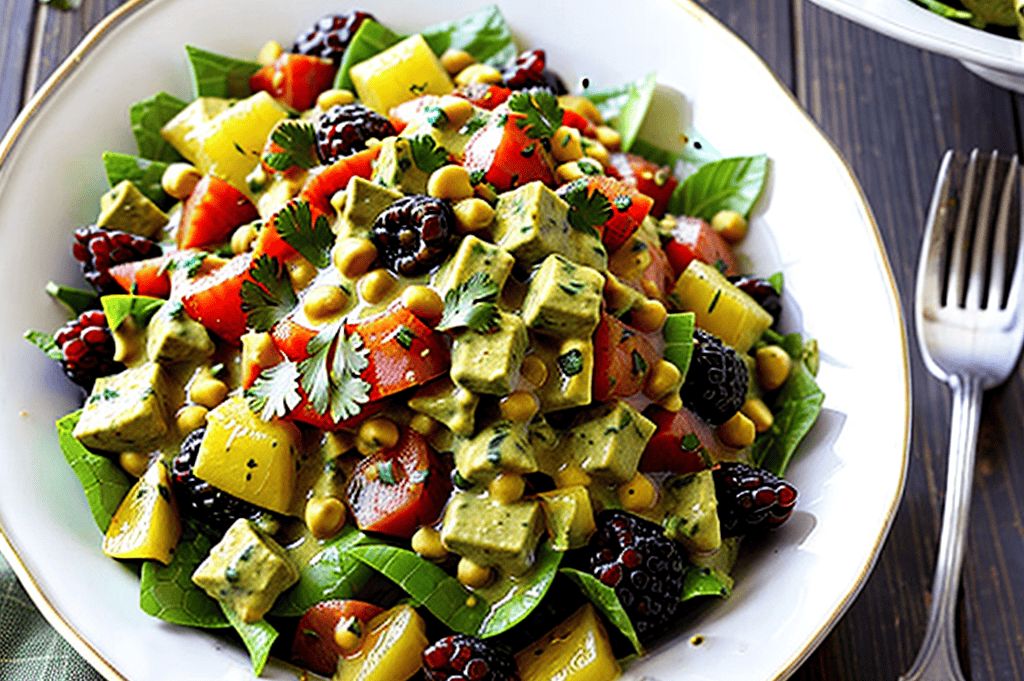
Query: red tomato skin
485	97
695	239
291	339
615	371
295	80
323	184
574	120
649	178
144	277
215	299
506	155
416	496
212	211
678	425
624	221
314	646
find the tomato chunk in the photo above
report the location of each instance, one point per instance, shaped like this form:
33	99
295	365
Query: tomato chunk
678	442
695	239
322	185
649	178
295	79
215	299
314	646
503	155
212	212
144	277
622	359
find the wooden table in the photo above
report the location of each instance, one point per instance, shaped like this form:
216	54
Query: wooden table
891	110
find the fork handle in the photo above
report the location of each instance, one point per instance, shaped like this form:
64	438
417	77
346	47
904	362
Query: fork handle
937	659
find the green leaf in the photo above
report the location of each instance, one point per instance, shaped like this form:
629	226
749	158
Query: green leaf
269	297
337	386
427	155
587	210
428	586
296	139
484	34
542	113
214	75
796	408
144	174
65	5
75	300
604	599
704	581
45	342
104	482
141	308
168	592
147	117
331	573
729	184
275	392
946	11
313	240
515	599
776	281
472	304
257	636
634	109
371	39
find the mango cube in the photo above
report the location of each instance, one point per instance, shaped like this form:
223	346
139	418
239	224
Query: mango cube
576	650
391	651
233	140
402	72
146	524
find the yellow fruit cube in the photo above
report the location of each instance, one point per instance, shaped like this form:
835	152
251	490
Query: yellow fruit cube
146	524
185	132
248	457
400	73
392	650
575	650
233	140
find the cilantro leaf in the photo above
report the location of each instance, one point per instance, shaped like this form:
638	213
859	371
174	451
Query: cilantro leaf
587	210
44	342
543	114
313	240
471	304
336	384
297	140
269	298
275	391
426	153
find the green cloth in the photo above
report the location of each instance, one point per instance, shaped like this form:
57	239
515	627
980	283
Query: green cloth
30	649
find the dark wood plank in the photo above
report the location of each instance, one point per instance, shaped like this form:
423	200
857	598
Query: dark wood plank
766	26
16	20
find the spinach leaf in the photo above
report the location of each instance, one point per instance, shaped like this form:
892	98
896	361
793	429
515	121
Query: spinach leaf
514	600
167	591
626	105
428	585
483	34
143	173
729	184
141	308
45	342
332	573
371	39
214	75
147	117
66	5
257	636
704	581
103	481
944	10
604	599
796	407
76	300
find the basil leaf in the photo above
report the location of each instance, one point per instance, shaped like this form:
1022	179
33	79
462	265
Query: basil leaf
168	592
729	184
76	300
119	307
147	117
257	636
332	573
514	600
704	581
944	10
604	599
371	39
796	408
45	342
143	173
428	585
214	75
103	481
484	34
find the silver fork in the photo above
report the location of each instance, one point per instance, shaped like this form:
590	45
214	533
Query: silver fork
970	327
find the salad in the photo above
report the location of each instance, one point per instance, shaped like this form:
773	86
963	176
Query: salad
400	359
1000	16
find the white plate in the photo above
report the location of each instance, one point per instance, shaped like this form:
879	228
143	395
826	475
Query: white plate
813	223
995	58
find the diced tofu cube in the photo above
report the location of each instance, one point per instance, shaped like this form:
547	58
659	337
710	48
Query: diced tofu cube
564	299
364	201
246	571
426	118
531	223
499	448
474	255
402	72
607	441
692	514
488	362
184	132
146	524
570	376
569	516
127	412
448	403
492	534
173	336
248	457
126	209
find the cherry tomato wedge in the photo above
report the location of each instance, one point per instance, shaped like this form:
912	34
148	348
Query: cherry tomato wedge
622	359
295	79
695	239
212	211
324	183
314	646
648	177
215	299
144	277
503	155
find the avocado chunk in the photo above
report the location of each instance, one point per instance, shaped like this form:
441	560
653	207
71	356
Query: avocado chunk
500	447
474	255
488	362
531	222
564	299
607	441
405	164
124	208
173	336
492	534
570	377
127	412
569	516
246	571
448	403
364	201
428	119
692	517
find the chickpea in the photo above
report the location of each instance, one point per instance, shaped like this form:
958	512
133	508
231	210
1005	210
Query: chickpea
478	73
324	303
134	463
348	635
377	434
456	110
638	494
757	411
353	257
507	488
424	425
609	137
450	182
663	378
179	179
208	392
426	541
376	286
571	475
566	145
301	272
519	407
738	431
472	575
243	238
597	151
191	418
424	302
455	61
583	106
472	215
730	224
649	316
334	97
567	172
325	516
534	371
671	402
773	365
269	53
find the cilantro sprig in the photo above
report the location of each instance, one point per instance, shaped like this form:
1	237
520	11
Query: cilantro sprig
312	239
269	298
543	115
587	210
275	391
472	304
334	382
296	140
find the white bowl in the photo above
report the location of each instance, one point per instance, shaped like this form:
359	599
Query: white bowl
813	223
996	59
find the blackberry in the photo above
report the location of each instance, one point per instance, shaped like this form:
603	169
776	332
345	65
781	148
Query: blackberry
99	249
343	130
330	35
464	658
716	382
528	70
763	293
199	498
88	348
633	556
413	234
750	500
